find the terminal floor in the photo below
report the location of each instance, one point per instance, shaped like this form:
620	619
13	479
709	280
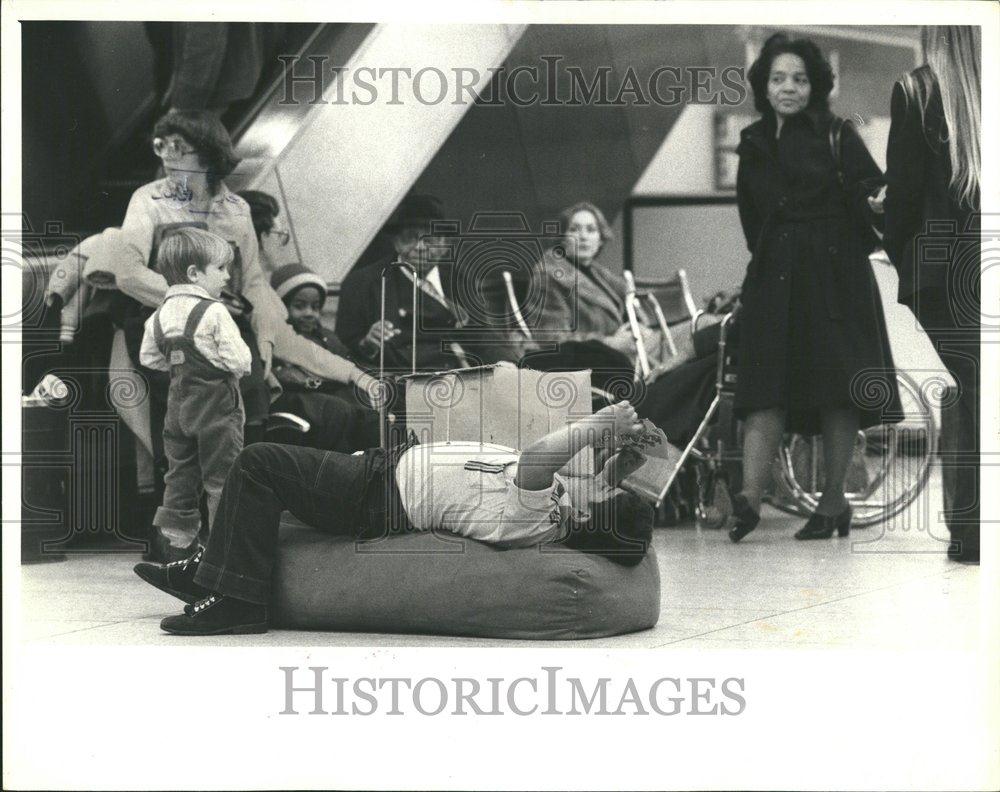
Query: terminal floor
886	587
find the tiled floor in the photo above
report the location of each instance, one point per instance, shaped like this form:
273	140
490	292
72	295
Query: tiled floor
889	587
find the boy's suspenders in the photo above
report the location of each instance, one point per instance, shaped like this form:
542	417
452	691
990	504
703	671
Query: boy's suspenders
193	320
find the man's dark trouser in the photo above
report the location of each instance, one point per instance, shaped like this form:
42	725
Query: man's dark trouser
338	493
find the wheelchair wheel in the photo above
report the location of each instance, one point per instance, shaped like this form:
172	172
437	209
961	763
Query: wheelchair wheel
889	468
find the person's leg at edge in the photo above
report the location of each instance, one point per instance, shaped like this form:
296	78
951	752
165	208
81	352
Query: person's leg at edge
959	449
955	335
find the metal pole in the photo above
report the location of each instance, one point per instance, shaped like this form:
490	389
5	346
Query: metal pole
381	365
413	339
633	322
508	282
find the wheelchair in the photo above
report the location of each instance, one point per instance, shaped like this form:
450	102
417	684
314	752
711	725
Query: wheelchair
889	468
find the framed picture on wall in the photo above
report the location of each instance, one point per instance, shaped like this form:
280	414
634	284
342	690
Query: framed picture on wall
727	138
726	163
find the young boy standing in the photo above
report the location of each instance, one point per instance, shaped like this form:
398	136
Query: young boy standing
192	336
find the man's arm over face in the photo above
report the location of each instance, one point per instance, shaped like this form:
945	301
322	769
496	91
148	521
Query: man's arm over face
541	460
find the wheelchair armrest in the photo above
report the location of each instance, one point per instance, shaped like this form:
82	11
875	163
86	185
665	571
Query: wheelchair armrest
285	420
694	320
600	393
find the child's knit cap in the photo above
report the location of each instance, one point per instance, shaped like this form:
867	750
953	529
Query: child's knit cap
288	279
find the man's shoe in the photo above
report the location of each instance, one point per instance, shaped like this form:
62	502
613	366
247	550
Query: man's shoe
175	578
218	615
745	518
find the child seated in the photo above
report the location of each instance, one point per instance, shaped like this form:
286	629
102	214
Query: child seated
339	420
193	336
304	295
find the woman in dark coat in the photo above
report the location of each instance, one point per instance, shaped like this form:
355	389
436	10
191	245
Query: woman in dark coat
814	355
932	199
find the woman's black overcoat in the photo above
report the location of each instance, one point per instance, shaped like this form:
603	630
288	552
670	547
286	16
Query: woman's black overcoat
812	329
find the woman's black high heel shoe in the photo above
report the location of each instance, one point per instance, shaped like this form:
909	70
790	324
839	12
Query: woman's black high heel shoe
820	526
746	518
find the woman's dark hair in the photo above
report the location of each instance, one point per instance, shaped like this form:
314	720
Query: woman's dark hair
207	136
817	67
263	209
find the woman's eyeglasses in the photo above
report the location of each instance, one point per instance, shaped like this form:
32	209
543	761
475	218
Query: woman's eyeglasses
281	236
175	146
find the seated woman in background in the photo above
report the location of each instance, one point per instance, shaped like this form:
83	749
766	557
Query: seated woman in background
580	304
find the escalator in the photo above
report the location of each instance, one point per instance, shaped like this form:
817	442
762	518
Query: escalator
340	165
92	92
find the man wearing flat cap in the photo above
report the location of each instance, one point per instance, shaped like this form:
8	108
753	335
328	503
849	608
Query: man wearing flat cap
440	318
